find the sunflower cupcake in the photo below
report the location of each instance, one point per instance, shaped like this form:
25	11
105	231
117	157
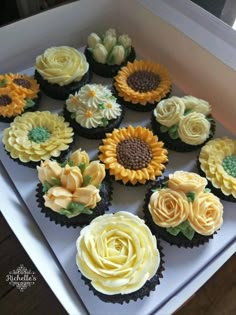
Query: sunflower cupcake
142	84
133	155
36	136
62	71
217	162
18	93
182	211
74	192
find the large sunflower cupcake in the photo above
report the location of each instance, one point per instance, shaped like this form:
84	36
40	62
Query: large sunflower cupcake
133	155
62	71
183	123
217	161
142	84
182	211
36	136
18	93
74	192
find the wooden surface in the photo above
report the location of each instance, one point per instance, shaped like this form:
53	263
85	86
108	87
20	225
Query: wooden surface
216	297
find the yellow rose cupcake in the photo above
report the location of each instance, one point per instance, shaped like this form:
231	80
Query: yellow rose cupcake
74	192
62	71
182	211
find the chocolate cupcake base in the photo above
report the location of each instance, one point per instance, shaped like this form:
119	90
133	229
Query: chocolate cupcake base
104	70
149	286
82	219
61	92
176	144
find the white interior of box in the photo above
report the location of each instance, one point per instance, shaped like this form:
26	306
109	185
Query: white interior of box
154	39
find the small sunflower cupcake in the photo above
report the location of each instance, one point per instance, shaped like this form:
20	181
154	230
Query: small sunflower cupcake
133	155
182	211
217	162
36	136
74	192
142	84
18	93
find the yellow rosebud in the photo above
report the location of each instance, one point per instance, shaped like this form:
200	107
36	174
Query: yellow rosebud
71	178
79	157
89	196
96	171
93	40
100	53
57	198
48	170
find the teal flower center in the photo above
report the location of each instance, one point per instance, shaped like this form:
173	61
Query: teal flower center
229	165
38	134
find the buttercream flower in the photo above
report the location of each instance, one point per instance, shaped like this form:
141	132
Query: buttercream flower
48	171
111	109
71	178
88	117
57	198
197	105
168	207
100	53
95	171
23	84
79	157
133	155
72	103
169	111
36	136
118	253
206	214
125	41
187	182
117	55
157	78
11	104
62	65
89	196
109	42
110	32
194	128
93	40
91	95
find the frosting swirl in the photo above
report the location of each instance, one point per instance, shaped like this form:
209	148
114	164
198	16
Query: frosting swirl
197	105
118	253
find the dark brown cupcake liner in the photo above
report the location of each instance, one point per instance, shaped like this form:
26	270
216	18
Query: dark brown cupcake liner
145	291
106	191
104	70
176	144
179	240
62	92
94	133
216	191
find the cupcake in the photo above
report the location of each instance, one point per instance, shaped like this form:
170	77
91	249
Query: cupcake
93	111
74	192
217	161
182	211
36	136
107	53
142	84
61	71
133	155
18	93
183	123
118	257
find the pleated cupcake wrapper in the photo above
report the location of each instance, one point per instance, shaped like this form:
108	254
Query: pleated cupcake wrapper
137	107
62	92
143	292
179	240
104	70
81	220
30	109
216	191
94	133
176	144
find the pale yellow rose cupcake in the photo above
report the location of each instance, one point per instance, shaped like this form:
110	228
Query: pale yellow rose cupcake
182	211
74	192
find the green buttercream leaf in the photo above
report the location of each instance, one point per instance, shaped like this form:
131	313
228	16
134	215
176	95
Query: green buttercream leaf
110	59
101	106
46	187
90	49
164	128
82	167
127	51
188	111
55	181
87	180
3	82
191	196
73	115
104	122
74	209
184	228
173	132
173	230
207	190
29	103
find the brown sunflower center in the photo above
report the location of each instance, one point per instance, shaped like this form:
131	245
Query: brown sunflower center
134	153
22	82
5	100
143	81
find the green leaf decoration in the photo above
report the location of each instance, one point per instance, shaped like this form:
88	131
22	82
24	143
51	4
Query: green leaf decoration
82	167
63	164
173	132
55	181
3	82
87	180
184	228
90	49
46	187
74	209
110	59
104	122
207	190
127	51
164	128
191	196
188	111
101	106
73	115
29	103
